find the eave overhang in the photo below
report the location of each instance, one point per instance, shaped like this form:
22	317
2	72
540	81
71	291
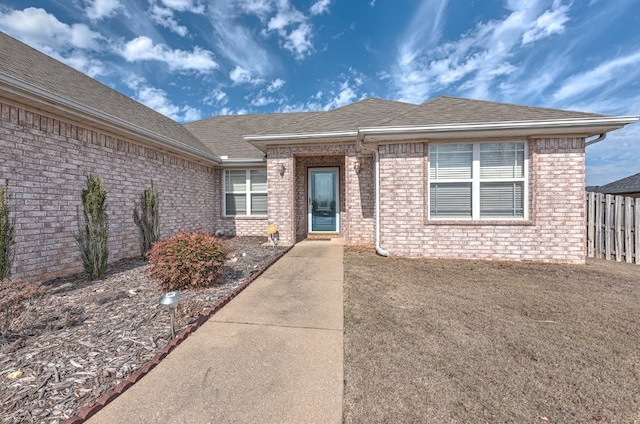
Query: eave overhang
575	127
51	104
243	163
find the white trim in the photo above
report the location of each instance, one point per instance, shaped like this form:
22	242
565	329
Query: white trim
578	127
336	171
244	163
247	192
476	181
300	136
547	123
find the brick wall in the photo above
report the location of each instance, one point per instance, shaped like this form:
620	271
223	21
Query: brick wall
47	162
280	189
555	231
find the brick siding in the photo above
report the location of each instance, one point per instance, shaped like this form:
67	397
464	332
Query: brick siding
555	231
47	162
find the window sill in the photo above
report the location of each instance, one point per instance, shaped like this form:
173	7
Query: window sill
245	217
479	223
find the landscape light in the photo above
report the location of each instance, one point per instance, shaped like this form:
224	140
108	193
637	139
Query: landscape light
169	302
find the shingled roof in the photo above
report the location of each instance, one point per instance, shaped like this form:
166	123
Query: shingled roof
223	134
20	62
627	185
452	110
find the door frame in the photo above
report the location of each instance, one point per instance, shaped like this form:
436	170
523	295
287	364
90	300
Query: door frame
336	171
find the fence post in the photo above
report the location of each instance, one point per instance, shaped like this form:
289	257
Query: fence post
636	230
590	214
599	222
608	217
617	224
628	225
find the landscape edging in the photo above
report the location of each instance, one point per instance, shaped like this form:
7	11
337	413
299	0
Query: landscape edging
91	409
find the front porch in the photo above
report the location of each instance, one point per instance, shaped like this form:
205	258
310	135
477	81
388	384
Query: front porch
314	192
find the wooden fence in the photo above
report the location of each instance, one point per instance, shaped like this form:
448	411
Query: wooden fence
613	227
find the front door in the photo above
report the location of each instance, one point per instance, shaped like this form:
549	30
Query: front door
324	200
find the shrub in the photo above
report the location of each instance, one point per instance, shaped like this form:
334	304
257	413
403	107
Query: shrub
147	219
93	229
7	228
187	260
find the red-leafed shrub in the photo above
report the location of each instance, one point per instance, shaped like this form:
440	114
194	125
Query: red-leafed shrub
187	260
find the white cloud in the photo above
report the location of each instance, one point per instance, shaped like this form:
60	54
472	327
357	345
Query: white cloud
216	97
239	75
38	27
550	22
608	75
480	59
264	97
164	16
158	100
190	114
184	5
298	41
320	7
275	85
346	92
143	48
234	40
101	9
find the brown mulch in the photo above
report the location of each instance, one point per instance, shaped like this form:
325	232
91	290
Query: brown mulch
65	348
448	341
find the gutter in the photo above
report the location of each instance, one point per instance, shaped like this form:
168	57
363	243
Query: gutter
360	143
597	140
239	162
583	123
81	111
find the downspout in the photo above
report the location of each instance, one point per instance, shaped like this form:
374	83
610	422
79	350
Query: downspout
360	143
597	140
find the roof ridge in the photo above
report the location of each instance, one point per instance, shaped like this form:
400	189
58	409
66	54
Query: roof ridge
517	105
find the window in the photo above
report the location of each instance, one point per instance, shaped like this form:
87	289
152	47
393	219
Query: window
477	180
245	192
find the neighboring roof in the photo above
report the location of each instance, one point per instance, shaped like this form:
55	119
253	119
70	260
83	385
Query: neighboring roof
223	134
25	70
627	185
450	110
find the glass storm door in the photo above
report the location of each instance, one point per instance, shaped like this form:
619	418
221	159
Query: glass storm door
324	208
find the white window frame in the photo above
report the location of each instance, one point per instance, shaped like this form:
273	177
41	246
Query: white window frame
247	192
475	183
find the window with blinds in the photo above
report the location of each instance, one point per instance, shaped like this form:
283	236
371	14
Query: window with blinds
477	180
245	192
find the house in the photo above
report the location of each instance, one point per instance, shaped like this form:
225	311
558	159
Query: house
628	186
451	177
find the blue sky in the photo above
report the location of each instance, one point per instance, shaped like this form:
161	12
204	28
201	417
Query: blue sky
191	59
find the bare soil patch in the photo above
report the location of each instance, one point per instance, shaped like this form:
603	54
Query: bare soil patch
64	349
497	342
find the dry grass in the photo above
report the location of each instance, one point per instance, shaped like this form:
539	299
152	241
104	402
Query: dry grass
470	341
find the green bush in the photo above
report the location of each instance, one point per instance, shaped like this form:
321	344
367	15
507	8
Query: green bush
187	260
93	229
7	228
147	219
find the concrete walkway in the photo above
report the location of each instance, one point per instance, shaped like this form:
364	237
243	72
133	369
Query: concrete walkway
274	354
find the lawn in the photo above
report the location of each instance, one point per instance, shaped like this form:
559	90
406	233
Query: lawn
498	342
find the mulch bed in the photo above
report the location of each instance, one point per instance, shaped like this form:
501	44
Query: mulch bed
64	349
